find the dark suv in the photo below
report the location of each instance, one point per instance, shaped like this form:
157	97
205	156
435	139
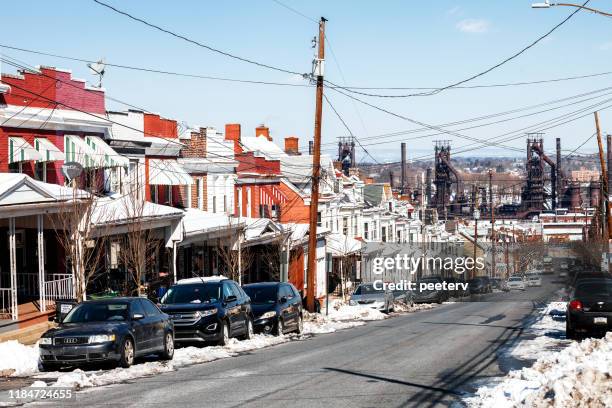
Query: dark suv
210	309
277	307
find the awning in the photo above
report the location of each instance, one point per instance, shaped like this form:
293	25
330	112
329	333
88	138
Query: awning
77	150
20	151
48	150
341	245
104	151
168	173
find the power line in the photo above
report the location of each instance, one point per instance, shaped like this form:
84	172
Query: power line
295	11
195	42
478	75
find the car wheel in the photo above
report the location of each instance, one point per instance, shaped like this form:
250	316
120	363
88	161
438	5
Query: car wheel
249	329
225	336
300	325
48	367
127	353
168	352
279	328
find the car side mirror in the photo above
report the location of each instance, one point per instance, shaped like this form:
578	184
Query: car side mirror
231	298
283	299
137	316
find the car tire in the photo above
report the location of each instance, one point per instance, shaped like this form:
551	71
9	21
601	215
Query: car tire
168	352
46	367
225	334
300	325
249	333
128	353
280	327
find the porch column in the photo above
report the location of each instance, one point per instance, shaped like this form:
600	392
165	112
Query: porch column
174	261
41	263
13	268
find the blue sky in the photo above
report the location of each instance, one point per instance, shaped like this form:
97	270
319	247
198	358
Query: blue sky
382	43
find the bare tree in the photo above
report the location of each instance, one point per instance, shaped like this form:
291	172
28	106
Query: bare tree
138	246
235	257
83	243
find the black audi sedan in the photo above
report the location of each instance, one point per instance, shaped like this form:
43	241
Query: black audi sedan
277	307
118	329
208	310
590	308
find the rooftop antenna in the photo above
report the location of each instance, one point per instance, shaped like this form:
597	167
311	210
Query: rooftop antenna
97	68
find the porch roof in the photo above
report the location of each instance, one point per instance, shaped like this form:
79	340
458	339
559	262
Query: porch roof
197	222
342	245
19	189
122	209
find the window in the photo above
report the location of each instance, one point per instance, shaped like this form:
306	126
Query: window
384	234
345	225
225	203
366	230
319	219
239	209
285	291
248	202
137	308
214	204
355	229
236	290
227	290
200	193
262	211
41	171
150	309
275	211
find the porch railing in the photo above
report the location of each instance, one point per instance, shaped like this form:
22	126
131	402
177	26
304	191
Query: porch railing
6	311
59	288
27	283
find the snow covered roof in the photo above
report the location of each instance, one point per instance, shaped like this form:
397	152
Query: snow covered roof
196	222
19	189
341	245
121	209
53	119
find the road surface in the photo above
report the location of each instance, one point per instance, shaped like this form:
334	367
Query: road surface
425	359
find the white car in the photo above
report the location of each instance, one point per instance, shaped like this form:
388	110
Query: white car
534	279
516	283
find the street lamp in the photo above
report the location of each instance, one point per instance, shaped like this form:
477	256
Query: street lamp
548	4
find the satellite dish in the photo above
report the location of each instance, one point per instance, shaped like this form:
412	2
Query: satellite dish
97	68
72	170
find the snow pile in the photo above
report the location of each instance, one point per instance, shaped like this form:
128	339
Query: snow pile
578	376
17	359
402	307
547	333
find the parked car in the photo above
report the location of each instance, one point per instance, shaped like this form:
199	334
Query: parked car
588	274
480	284
404	296
590	308
534	279
277	307
499	284
211	309
366	295
118	329
427	295
516	283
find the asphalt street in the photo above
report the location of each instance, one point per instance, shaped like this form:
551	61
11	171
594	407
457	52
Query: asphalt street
425	359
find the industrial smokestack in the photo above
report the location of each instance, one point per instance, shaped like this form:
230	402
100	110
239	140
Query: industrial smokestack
403	186
391	178
428	186
558	170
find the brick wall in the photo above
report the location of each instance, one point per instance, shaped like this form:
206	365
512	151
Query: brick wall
249	163
196	146
194	192
53	86
154	125
232	132
294	210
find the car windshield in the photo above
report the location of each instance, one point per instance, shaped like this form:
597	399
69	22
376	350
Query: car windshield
594	289
367	289
200	293
97	312
515	279
262	294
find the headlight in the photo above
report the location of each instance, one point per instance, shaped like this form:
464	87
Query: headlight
352	302
268	315
205	313
46	340
101	338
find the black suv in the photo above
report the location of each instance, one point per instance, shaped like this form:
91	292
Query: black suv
277	307
210	309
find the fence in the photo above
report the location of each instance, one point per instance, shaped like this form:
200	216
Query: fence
5	303
59	287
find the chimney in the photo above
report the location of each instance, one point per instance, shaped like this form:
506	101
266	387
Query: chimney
391	179
232	133
403	186
263	131
292	145
310	147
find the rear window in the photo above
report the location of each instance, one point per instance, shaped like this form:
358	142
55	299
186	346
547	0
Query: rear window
262	294
515	279
594	289
367	289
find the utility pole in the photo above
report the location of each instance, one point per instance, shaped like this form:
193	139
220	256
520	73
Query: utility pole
604	174
316	173
492	208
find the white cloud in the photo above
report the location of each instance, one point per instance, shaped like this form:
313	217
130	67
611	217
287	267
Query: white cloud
471	25
607	46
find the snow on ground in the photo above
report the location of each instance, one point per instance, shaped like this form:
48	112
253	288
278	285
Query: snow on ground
17	359
578	376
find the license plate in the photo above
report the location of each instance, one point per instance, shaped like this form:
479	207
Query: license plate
600	320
